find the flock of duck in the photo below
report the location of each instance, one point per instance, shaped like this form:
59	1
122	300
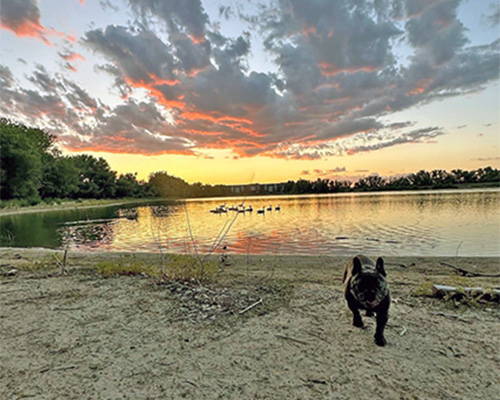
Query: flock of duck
241	208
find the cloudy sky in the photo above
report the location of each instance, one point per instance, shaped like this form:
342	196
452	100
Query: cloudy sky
269	90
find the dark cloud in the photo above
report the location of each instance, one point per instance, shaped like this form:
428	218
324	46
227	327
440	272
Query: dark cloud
22	17
6	77
140	57
329	172
338	77
84	123
415	136
493	18
179	15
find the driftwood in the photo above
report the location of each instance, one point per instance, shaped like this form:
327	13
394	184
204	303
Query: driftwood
401	265
62	368
469	274
443	290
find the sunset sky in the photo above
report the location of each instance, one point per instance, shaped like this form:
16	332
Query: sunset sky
258	91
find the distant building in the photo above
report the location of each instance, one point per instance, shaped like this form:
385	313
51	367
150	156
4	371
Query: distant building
257	188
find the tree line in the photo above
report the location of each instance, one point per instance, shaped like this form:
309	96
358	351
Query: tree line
32	169
435	179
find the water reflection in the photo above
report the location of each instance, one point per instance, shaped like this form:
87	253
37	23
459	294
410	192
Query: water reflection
414	223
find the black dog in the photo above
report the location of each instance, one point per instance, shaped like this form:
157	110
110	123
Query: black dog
366	289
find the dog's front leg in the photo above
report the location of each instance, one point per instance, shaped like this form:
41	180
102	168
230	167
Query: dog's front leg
382	318
357	321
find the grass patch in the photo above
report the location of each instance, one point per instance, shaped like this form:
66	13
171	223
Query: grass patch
175	267
113	268
44	264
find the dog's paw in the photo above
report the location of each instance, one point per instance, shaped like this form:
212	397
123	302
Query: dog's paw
358	323
380	341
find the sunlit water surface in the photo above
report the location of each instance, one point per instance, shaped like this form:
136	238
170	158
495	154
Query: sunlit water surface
434	223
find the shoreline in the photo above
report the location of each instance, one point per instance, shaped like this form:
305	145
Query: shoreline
269	327
74	205
238	256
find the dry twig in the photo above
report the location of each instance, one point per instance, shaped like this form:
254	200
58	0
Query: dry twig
251	306
469	274
291	339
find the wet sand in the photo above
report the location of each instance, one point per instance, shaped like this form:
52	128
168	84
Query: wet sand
274	327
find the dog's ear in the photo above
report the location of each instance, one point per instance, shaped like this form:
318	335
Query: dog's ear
356	266
380	266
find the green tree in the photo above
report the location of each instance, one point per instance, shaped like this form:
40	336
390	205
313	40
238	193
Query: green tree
127	185
21	160
96	179
60	177
166	185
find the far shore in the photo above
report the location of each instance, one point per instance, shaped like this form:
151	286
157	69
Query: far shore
95	203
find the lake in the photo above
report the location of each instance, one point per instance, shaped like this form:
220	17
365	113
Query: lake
421	223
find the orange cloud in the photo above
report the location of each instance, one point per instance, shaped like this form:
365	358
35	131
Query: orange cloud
224	120
155	92
197	39
190	115
34	29
204	133
72	56
70	67
309	30
420	87
130	150
328	69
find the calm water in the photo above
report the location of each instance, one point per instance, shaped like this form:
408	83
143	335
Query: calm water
401	223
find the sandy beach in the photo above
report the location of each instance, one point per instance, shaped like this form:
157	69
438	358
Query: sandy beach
263	328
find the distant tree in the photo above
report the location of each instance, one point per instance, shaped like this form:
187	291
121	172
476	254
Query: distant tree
127	185
462	176
320	186
441	178
339	186
372	182
303	186
166	185
421	178
399	183
487	174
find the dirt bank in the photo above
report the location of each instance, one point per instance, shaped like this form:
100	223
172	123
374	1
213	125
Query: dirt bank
82	336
